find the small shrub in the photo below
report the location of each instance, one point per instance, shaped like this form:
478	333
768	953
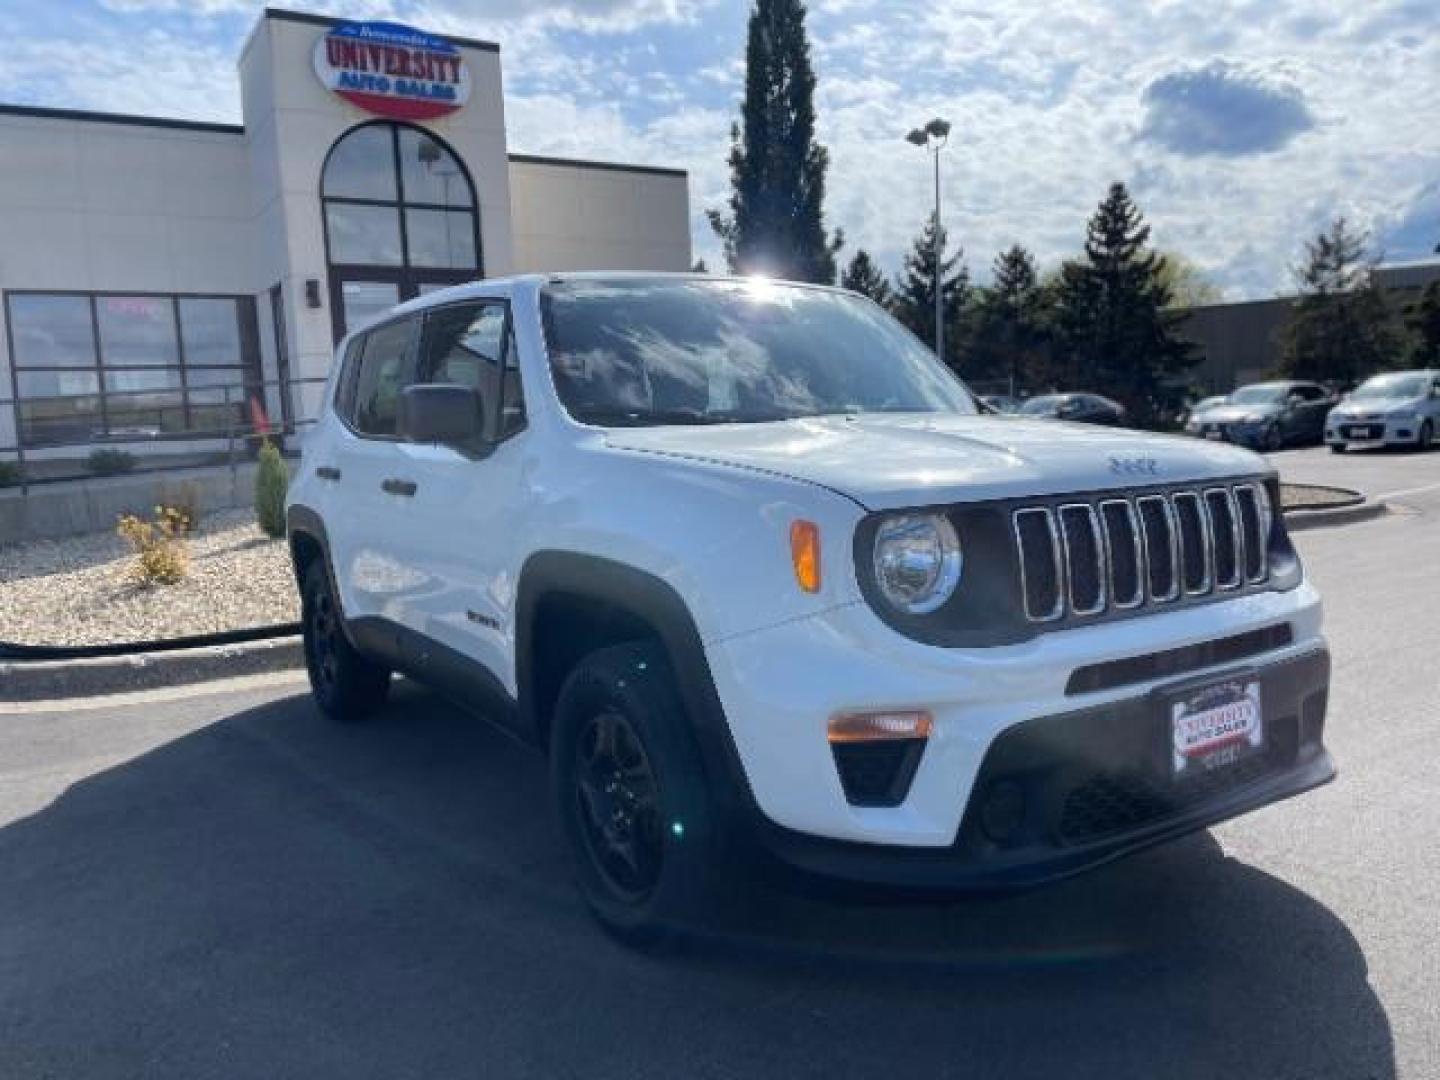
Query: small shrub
106	462
184	497
9	474
271	480
161	557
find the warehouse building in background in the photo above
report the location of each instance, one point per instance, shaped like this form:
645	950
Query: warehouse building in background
165	283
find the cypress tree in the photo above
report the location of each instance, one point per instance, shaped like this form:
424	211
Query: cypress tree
861	275
775	223
1114	317
915	293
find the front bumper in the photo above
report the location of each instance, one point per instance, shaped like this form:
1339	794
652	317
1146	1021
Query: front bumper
778	687
1070	803
1380	432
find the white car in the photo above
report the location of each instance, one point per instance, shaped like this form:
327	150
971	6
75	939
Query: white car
1399	408
746	561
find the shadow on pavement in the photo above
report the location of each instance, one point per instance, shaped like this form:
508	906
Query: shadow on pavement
276	896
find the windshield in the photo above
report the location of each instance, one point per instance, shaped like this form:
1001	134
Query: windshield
1391	386
645	352
1257	395
1038	406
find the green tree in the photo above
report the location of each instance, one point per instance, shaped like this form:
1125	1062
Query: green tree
1113	319
914	303
1341	324
1188	284
1423	319
775	223
861	275
1012	325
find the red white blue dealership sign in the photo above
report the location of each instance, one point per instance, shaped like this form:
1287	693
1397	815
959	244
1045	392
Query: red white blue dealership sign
393	70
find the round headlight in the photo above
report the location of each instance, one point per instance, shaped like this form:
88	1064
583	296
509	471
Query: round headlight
917	561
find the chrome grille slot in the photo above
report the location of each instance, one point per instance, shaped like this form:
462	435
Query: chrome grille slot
1087	558
1161	545
1247	503
1122	544
1193	527
1085	569
1225	537
1041	581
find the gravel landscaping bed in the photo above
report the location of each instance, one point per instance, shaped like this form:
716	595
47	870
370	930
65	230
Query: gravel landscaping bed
79	591
1316	497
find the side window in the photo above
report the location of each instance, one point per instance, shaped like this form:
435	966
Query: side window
469	344
345	384
384	371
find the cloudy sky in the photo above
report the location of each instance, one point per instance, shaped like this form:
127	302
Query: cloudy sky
1241	128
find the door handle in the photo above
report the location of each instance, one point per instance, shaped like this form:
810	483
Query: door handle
398	487
327	472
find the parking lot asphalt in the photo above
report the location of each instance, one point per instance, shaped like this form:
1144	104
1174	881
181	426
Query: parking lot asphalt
220	884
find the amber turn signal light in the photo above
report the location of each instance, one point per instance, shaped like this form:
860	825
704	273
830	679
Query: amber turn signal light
880	726
805	554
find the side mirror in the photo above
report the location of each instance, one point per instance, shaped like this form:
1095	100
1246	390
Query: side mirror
444	413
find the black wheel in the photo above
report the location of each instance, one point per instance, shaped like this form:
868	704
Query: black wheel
631	794
346	685
1272	440
1427	437
1337	448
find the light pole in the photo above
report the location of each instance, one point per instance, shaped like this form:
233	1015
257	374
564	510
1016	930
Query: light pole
933	137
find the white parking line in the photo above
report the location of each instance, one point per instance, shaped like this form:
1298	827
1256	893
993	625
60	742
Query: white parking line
1408	491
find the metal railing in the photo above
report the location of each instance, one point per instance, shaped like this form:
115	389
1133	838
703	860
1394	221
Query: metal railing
149	426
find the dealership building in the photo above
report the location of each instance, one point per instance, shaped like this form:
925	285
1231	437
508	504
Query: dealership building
166	282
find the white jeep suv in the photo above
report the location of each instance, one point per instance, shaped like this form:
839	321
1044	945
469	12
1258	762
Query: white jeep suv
747	562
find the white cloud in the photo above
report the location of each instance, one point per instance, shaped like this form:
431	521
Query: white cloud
1048	102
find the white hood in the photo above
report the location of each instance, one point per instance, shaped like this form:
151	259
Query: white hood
885	462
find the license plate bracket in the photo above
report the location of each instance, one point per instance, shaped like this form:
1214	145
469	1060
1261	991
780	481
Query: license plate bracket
1214	725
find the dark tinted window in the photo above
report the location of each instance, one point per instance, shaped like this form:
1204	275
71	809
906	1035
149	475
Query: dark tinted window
645	351
384	371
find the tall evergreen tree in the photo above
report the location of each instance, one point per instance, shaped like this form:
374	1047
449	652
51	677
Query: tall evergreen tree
775	223
1341	325
914	303
1112	314
1423	319
1012	325
861	275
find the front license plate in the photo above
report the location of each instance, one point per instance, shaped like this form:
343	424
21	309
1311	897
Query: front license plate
1363	433
1213	433
1215	726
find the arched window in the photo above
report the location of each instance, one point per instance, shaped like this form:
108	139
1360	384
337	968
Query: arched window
400	220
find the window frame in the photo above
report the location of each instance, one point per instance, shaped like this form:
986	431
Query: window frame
248	370
405	275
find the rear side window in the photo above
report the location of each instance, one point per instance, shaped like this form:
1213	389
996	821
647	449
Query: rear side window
385	370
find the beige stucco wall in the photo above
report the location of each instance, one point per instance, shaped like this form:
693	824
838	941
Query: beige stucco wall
579	217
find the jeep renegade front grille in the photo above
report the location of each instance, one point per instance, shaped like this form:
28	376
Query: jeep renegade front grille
1083	558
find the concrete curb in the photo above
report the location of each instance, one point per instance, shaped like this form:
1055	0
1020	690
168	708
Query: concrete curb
45	680
1298	520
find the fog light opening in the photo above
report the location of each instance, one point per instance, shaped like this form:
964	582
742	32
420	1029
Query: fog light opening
1002	812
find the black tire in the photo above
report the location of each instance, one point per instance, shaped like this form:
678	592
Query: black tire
1272	440
1337	448
631	794
346	685
1427	437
